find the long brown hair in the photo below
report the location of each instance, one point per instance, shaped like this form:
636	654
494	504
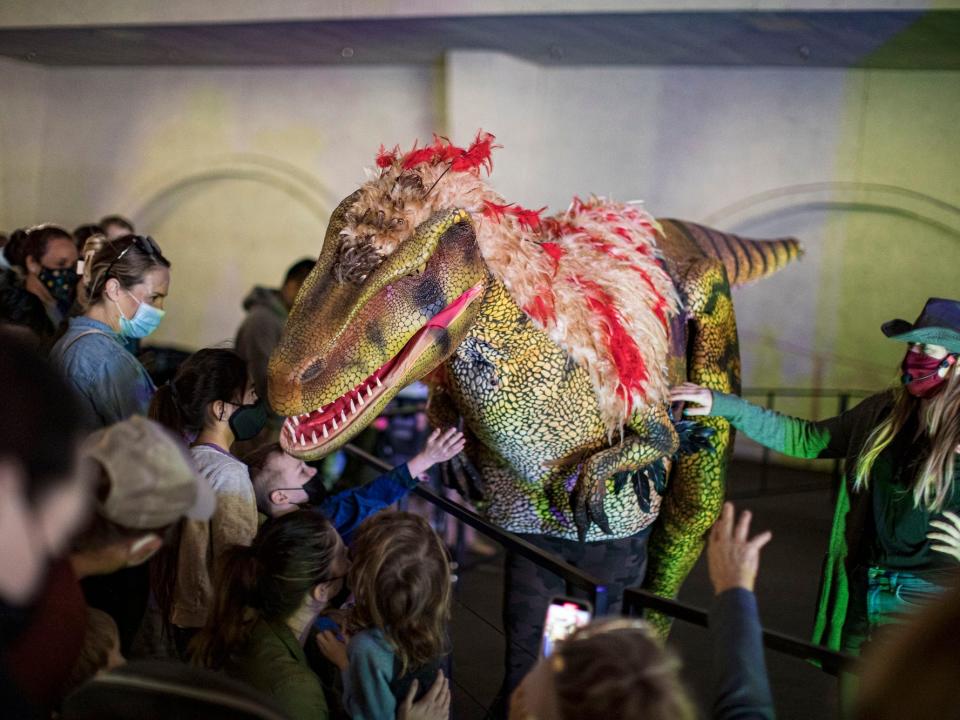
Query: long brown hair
400	579
290	556
941	424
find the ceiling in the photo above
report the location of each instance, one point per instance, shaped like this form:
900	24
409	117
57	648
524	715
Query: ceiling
880	39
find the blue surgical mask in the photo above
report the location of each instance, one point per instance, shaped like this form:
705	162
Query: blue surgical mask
144	321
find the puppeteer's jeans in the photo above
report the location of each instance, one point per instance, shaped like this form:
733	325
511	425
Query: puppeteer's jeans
882	596
528	589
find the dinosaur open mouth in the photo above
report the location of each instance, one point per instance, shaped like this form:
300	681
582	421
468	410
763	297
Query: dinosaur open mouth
311	431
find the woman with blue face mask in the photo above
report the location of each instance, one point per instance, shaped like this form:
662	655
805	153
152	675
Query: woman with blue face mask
129	280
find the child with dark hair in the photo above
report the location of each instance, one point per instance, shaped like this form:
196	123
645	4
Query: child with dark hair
211	403
401	584
268	595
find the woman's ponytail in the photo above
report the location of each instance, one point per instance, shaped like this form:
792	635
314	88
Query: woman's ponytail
165	409
234	608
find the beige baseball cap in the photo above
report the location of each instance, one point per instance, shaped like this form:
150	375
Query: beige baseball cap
152	480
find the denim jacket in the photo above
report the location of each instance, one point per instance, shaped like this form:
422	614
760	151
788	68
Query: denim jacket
111	383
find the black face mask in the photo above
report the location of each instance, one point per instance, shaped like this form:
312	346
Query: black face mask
247	421
342	596
61	284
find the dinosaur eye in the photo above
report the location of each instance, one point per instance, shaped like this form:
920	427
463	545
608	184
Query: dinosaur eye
416	272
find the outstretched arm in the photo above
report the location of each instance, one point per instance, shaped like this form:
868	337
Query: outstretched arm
741	686
789	435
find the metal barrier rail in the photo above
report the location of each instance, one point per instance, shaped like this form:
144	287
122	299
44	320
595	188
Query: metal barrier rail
635	600
574	577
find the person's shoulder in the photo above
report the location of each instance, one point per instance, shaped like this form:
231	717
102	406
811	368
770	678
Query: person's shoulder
87	346
222	469
370	643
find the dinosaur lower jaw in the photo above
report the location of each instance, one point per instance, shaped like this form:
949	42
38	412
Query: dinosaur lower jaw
310	432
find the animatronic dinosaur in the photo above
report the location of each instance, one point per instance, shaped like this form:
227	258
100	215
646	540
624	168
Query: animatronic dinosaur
555	339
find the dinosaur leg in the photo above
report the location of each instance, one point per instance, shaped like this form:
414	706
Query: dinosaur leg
697	485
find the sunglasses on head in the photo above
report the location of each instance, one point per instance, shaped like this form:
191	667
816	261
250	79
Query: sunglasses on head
145	243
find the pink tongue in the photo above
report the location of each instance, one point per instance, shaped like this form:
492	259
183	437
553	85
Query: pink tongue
446	316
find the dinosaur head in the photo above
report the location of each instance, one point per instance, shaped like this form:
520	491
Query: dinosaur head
390	298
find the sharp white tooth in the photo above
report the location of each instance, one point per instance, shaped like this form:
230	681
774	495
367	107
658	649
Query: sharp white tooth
325	433
360	399
370	390
343	416
353	407
335	426
378	382
314	437
295	420
303	442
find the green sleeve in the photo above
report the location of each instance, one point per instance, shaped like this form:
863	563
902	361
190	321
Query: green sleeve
789	435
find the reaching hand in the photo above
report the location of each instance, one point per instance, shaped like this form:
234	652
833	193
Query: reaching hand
439	447
689	392
333	649
435	705
733	560
948	540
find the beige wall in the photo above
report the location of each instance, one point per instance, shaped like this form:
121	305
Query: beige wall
857	164
235	170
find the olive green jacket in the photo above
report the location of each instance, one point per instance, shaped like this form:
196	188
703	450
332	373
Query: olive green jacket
274	662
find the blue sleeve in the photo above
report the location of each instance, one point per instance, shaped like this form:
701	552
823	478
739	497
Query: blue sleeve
366	683
347	509
741	687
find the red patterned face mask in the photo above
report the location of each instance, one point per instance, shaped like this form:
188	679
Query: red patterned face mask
924	376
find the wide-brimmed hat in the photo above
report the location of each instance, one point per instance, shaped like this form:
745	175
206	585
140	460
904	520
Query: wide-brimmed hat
152	480
938	324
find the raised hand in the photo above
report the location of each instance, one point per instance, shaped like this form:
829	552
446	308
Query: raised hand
440	446
733	558
947	541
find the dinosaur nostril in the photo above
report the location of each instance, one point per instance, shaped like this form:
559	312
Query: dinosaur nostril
311	373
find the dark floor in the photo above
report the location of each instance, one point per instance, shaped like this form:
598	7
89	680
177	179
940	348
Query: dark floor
786	590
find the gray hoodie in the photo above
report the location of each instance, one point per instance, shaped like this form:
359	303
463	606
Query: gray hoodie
260	332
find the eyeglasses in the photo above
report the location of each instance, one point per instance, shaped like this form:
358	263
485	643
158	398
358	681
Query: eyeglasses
146	244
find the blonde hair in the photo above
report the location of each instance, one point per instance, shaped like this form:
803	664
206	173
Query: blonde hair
401	584
941	424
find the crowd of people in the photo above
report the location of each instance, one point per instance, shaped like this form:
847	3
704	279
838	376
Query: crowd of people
164	557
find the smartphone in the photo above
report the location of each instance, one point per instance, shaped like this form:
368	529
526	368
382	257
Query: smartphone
564	615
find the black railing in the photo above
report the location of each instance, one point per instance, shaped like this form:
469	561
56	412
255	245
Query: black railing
573	577
635	600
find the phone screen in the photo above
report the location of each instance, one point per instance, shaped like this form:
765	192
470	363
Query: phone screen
563	617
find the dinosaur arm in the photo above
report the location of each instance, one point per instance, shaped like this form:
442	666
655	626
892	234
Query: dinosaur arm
651	437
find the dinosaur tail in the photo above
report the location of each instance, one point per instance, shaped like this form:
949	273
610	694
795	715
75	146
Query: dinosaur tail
746	260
